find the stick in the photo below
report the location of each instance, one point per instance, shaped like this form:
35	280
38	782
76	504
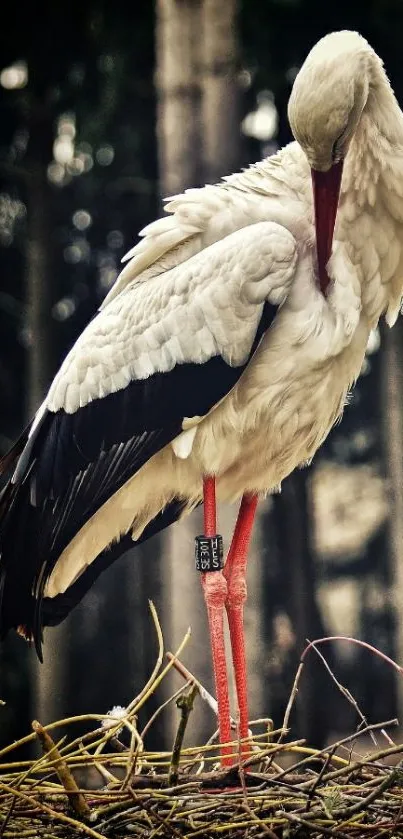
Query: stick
345	692
84	828
387	782
266	829
189	677
319	828
359	643
185	704
326	751
293	694
75	797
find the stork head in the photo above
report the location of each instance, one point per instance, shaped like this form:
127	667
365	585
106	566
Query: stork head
326	103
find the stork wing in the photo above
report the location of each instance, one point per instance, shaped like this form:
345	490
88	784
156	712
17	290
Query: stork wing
160	352
199	217
173	239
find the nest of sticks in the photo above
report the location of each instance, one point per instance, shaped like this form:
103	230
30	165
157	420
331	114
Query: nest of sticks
279	788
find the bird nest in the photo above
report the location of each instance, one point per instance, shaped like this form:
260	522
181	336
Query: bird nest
277	786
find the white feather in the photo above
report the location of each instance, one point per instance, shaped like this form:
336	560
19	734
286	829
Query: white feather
182	445
192	316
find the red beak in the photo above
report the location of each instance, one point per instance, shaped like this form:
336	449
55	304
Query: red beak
326	190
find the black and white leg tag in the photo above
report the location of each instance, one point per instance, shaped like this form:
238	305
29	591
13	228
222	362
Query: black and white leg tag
209	553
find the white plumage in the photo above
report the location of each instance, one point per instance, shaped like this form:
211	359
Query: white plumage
210	303
195	285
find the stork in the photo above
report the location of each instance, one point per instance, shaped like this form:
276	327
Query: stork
219	360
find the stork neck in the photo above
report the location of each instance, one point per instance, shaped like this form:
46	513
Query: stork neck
377	142
372	196
382	107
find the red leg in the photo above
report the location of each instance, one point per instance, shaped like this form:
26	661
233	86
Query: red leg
210	506
235	574
215	594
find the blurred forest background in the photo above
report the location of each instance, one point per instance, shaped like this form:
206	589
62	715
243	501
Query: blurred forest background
105	108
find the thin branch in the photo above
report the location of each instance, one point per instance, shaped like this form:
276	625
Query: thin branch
293	695
356	641
387	782
319	777
266	829
58	816
185	704
307	823
345	692
204	693
325	752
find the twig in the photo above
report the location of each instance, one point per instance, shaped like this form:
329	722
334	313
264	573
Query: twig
325	752
136	746
387	782
204	693
356	641
104	773
7	816
360	764
319	828
397	819
266	829
318	779
135	706
75	797
144	692
79	826
345	692
162	707
185	704
223	776
144	696
387	737
169	827
293	694
18	782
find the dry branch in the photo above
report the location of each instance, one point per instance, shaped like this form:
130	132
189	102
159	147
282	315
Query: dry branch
63	772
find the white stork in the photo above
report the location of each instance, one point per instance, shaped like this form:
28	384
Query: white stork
220	359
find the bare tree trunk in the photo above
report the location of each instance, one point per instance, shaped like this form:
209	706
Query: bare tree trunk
196	48
38	290
392	383
39	276
178	93
39	294
179	153
220	109
293	523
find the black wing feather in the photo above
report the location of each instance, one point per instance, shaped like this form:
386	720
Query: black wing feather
73	463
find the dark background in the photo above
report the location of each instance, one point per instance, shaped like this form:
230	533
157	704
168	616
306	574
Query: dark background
84	160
